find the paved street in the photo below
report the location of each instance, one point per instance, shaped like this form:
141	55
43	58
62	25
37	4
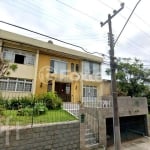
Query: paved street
138	144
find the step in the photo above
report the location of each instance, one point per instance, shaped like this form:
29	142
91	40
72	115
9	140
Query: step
92	146
89	134
90	140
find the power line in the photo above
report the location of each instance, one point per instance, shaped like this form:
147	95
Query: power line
53	38
140	18
105	4
33	10
79	11
126	22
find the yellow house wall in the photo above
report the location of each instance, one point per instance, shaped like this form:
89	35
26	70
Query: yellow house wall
75	91
105	88
43	76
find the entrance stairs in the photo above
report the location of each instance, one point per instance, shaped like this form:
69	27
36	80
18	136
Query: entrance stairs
91	141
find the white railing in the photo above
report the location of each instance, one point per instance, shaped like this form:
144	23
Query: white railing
91	77
98	104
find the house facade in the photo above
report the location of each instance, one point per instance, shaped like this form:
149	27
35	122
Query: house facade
43	66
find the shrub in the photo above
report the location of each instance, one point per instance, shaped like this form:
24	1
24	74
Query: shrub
39	109
17	102
26	101
12	104
1	100
27	111
51	100
1	110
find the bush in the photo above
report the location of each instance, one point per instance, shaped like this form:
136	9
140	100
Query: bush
51	100
26	101
1	110
12	104
17	102
39	109
27	111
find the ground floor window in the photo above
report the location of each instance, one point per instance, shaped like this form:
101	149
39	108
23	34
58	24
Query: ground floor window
89	92
15	84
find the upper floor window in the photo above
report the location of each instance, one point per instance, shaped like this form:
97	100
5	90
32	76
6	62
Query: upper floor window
91	68
58	67
72	67
19	57
77	68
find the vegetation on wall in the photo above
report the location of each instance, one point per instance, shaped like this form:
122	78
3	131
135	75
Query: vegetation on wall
5	67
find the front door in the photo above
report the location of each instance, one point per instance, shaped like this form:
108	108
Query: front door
63	90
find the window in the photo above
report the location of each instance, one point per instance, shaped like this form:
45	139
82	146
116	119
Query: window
17	56
58	67
90	92
20	85
8	55
14	84
19	59
28	86
91	68
3	84
77	68
72	67
11	84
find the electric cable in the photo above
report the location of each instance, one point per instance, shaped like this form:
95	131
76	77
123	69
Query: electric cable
75	9
126	22
53	38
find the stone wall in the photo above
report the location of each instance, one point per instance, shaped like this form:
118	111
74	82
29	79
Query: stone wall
58	136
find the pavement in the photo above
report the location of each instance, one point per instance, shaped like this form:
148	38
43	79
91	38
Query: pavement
138	144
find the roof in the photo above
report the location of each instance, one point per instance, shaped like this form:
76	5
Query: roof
47	45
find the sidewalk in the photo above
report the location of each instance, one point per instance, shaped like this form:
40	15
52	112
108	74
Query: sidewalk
138	144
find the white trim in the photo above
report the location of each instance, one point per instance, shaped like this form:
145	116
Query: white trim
35	72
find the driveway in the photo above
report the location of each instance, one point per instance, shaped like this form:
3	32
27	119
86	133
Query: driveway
138	144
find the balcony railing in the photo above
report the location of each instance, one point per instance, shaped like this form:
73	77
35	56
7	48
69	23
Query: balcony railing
92	77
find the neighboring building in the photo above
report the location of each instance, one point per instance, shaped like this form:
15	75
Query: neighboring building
44	66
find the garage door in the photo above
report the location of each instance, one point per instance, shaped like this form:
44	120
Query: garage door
131	127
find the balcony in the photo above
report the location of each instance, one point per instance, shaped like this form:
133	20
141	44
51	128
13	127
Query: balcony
91	77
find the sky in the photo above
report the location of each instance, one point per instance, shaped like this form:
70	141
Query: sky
78	22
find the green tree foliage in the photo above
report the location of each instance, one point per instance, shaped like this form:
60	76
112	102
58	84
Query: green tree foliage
132	77
5	67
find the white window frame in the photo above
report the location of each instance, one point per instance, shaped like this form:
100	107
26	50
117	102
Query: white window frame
87	68
17	81
28	60
55	70
89	92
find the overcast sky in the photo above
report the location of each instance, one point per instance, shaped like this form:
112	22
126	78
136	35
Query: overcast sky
78	22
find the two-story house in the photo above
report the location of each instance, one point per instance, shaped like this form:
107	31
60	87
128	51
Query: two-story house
44	66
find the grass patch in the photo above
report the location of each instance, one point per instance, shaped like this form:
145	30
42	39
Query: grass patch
10	117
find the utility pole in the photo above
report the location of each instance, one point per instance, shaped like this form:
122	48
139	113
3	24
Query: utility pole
116	124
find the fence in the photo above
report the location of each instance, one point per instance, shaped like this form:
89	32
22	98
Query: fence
29	111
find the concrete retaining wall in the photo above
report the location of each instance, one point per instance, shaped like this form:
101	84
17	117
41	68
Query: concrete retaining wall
60	136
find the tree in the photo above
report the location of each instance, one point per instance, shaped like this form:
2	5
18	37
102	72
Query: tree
132	77
5	67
